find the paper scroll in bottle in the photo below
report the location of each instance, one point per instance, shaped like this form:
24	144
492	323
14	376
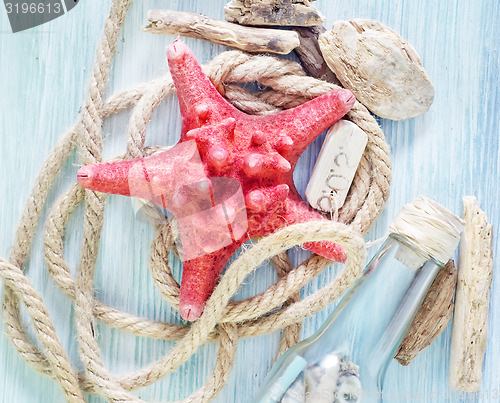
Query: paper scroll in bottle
336	165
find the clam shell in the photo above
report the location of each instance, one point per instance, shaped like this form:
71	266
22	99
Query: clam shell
382	70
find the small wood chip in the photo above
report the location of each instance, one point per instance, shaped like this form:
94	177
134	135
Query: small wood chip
310	54
297	13
470	320
432	317
199	26
382	70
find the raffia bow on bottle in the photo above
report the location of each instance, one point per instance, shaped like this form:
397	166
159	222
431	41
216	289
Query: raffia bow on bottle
278	308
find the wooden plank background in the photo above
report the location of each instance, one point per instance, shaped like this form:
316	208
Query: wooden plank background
451	151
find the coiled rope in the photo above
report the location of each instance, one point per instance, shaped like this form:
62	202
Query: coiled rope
224	321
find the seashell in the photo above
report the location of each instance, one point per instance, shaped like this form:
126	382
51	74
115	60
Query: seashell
349	389
382	70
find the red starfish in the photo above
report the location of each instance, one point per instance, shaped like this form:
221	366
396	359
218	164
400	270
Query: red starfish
259	151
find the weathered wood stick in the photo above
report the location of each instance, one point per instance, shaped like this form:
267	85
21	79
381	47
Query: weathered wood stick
432	317
310	54
199	26
297	13
470	321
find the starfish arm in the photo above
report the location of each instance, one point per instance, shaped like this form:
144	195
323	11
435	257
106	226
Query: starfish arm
157	178
199	277
329	250
299	212
107	177
199	101
301	125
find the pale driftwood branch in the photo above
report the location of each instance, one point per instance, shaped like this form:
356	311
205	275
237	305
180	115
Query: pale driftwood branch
470	321
199	26
310	54
297	13
432	317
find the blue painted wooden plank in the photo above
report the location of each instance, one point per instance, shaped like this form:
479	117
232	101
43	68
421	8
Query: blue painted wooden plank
450	151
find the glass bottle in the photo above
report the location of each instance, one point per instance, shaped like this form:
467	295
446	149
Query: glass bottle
346	359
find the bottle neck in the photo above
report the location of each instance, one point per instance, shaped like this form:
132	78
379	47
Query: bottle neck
385	349
374	316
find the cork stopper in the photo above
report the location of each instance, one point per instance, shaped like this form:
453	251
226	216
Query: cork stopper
429	225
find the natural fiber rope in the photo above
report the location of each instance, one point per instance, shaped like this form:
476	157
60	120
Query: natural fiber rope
279	307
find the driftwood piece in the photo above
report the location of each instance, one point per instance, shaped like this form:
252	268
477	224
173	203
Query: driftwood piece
310	54
432	317
382	70
470	320
199	26
297	13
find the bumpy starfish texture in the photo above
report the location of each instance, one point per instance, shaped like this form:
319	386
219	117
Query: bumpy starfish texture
259	151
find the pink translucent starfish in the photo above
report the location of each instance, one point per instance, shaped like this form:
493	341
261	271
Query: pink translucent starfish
259	151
